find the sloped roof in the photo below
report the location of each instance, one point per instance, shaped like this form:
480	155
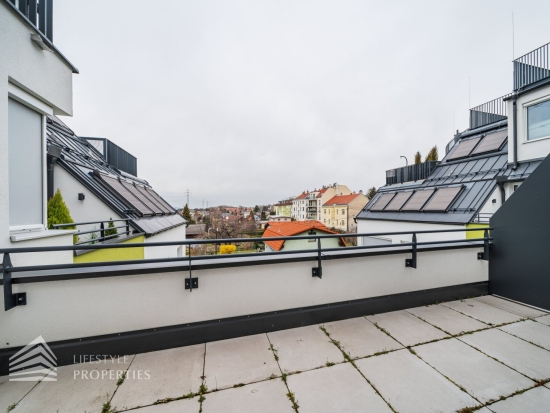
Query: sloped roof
341	199
85	163
289	229
478	174
303	195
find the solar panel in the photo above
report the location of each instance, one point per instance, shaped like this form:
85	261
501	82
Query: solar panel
491	142
417	201
143	198
123	192
464	148
160	209
382	202
160	200
443	199
398	200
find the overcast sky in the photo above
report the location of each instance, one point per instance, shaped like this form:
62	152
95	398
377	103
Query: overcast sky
252	102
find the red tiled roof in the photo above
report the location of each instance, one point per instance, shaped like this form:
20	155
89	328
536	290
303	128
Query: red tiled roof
321	192
341	199
302	195
289	229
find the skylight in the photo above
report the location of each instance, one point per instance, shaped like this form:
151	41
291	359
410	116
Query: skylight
382	202
397	202
464	148
492	142
443	199
417	201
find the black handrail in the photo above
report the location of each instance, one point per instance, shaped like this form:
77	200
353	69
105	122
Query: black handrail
12	300
102	237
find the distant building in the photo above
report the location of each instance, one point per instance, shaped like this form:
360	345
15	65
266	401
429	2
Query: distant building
278	218
283	208
339	211
297	228
307	205
196	231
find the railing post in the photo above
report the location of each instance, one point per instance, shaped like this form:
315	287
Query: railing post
127	227
411	262
10	300
485	254
318	272
102	231
191	282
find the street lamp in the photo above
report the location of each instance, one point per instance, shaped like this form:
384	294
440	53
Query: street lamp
406	161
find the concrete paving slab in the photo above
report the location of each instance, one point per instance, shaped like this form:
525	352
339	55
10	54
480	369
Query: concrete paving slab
304	348
531	331
79	388
263	397
410	385
524	357
339	388
536	400
177	406
360	338
13	391
406	328
544	320
481	376
446	319
240	360
483	312
159	375
510	306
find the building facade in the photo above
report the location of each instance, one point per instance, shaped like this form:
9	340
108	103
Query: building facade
339	211
308	205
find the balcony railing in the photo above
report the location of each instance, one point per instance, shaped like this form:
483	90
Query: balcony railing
98	234
493	111
39	13
410	173
532	67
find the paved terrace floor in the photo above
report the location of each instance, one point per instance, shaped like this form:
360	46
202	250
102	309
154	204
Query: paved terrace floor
484	354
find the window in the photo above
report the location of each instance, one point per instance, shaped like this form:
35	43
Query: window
343	213
336	212
312	232
25	166
342	223
538	121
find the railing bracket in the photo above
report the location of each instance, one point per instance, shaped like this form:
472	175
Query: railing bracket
485	254
191	283
10	300
317	272
411	262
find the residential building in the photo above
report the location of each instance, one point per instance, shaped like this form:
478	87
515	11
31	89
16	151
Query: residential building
339	211
96	192
275	218
482	168
297	229
283	208
307	205
35	82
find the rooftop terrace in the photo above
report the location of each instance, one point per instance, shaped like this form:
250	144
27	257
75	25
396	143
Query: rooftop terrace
485	353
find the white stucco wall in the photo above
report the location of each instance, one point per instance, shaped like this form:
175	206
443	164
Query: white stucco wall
490	207
87	307
527	149
370	226
174	234
42	74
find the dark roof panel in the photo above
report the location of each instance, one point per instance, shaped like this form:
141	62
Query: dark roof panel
464	148
417	201
442	199
382	201
491	142
398	201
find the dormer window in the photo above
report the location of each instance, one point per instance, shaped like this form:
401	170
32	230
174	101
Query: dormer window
538	121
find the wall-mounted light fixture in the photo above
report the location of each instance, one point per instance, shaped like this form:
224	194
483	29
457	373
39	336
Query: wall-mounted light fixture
81	197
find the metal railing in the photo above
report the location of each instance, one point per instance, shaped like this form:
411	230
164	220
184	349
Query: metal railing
482	217
408	173
531	67
98	234
489	112
39	13
83	270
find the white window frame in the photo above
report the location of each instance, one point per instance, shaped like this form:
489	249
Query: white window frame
33	103
526	107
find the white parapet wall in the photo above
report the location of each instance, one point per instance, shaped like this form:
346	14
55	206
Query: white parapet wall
77	308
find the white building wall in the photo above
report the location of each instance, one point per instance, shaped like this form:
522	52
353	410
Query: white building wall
174	234
370	226
44	76
526	149
71	309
